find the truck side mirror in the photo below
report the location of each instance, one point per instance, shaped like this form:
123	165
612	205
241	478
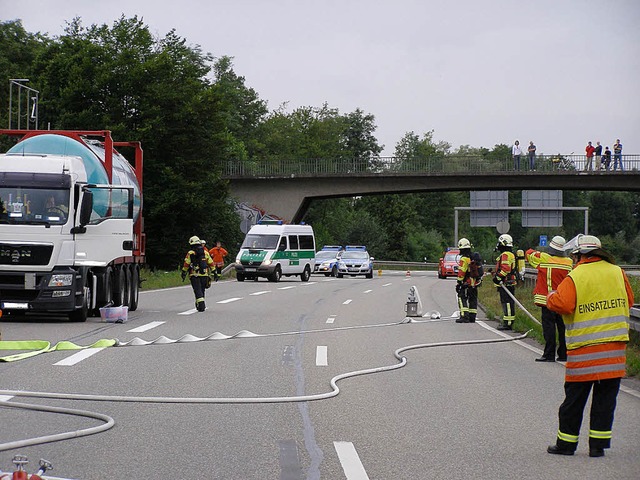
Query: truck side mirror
86	207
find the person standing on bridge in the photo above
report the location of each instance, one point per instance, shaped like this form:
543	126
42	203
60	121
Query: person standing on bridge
217	254
606	158
590	149
553	267
506	275
198	264
532	156
516	152
617	155
598	153
594	302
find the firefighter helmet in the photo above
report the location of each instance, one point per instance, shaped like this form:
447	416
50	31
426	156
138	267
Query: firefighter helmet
587	243
194	241
464	243
557	243
505	240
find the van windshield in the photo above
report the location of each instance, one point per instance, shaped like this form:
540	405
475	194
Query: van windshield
265	242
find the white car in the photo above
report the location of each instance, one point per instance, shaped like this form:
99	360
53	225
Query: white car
355	261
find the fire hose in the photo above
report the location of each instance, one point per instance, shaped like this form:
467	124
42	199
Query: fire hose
109	422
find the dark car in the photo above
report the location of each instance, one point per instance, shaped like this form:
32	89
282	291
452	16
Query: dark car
448	265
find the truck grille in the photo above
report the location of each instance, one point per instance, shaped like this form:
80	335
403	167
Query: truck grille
24	254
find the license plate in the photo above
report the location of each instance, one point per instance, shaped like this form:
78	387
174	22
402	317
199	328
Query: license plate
15	306
249	269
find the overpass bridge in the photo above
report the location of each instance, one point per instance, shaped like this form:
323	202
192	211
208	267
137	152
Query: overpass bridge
285	188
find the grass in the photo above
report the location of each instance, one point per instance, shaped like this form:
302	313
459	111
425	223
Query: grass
490	301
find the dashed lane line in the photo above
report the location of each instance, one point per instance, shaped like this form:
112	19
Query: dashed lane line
188	312
347	302
229	300
260	293
78	357
144	328
331	319
321	356
350	461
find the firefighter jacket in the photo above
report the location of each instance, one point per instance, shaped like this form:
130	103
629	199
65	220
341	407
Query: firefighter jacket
506	268
464	275
197	262
218	254
594	303
551	271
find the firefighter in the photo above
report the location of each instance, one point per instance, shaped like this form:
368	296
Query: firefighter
506	275
467	286
594	302
217	254
198	264
552	266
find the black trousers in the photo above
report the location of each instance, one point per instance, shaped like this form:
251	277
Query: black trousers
198	284
550	322
469	302
508	305
603	405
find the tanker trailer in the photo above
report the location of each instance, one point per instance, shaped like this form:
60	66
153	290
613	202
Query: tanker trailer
71	227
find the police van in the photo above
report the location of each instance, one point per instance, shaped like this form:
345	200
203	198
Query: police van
272	249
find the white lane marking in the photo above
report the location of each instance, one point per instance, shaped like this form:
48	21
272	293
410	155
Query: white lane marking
367	291
386	284
229	300
350	461
188	312
260	293
331	319
347	302
5	398
144	328
306	284
321	356
78	357
286	288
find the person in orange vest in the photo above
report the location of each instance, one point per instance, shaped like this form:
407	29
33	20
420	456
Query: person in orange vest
594	301
553	267
217	254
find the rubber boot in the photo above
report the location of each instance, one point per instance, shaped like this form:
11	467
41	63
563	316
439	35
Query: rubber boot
503	326
200	306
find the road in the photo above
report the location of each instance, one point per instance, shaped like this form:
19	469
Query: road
481	411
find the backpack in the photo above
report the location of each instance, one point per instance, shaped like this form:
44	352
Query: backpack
476	268
198	260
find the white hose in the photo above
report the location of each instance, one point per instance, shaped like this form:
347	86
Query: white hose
520	305
109	422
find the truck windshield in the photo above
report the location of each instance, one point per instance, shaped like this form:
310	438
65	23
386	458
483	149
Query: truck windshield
265	242
20	205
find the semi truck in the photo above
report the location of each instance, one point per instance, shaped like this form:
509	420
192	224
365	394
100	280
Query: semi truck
71	226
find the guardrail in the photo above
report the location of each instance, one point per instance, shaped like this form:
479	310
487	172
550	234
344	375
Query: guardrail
436	164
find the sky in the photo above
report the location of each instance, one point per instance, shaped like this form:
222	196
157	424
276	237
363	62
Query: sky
476	72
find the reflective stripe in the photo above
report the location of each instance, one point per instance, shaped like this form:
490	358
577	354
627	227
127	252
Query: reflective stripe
617	335
540	299
615	320
601	435
585	357
576	371
567	437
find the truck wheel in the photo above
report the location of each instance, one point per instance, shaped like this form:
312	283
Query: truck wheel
82	313
134	288
276	275
240	277
306	274
120	291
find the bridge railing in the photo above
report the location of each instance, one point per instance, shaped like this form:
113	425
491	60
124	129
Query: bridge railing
432	165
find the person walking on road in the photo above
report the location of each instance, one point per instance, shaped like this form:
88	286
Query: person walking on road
467	286
594	301
198	264
217	254
506	275
553	266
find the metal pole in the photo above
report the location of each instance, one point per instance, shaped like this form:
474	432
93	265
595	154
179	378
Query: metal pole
586	221
455	227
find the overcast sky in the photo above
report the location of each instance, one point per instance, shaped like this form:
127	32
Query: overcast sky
477	72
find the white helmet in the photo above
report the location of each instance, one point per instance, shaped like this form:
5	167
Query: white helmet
586	243
194	241
464	243
505	240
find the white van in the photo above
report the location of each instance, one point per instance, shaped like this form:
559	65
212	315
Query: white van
272	249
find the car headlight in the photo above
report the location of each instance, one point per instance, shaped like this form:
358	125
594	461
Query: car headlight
266	262
61	280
